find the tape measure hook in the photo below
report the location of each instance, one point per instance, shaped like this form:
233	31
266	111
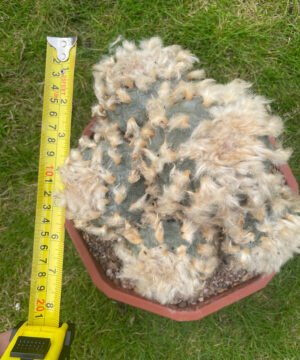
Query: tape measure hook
62	46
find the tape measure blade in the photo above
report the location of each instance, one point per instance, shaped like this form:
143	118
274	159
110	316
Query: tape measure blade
47	262
37	231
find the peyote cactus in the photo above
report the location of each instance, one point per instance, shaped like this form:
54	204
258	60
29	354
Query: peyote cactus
180	174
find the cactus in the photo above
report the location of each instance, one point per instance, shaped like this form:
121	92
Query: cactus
179	174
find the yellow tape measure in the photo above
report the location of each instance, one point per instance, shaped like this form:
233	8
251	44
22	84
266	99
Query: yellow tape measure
46	276
47	262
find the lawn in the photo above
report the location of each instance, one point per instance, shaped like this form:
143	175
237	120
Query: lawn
258	41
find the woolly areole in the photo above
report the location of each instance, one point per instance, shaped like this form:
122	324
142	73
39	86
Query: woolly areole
179	174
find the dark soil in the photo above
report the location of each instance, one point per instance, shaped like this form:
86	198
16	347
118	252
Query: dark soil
222	280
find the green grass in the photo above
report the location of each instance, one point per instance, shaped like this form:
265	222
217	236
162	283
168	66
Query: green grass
255	40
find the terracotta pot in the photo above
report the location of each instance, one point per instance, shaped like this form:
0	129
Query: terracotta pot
194	312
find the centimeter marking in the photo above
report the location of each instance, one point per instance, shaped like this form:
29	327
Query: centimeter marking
47	262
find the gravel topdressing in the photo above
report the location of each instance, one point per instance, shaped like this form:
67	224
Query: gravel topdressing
222	280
